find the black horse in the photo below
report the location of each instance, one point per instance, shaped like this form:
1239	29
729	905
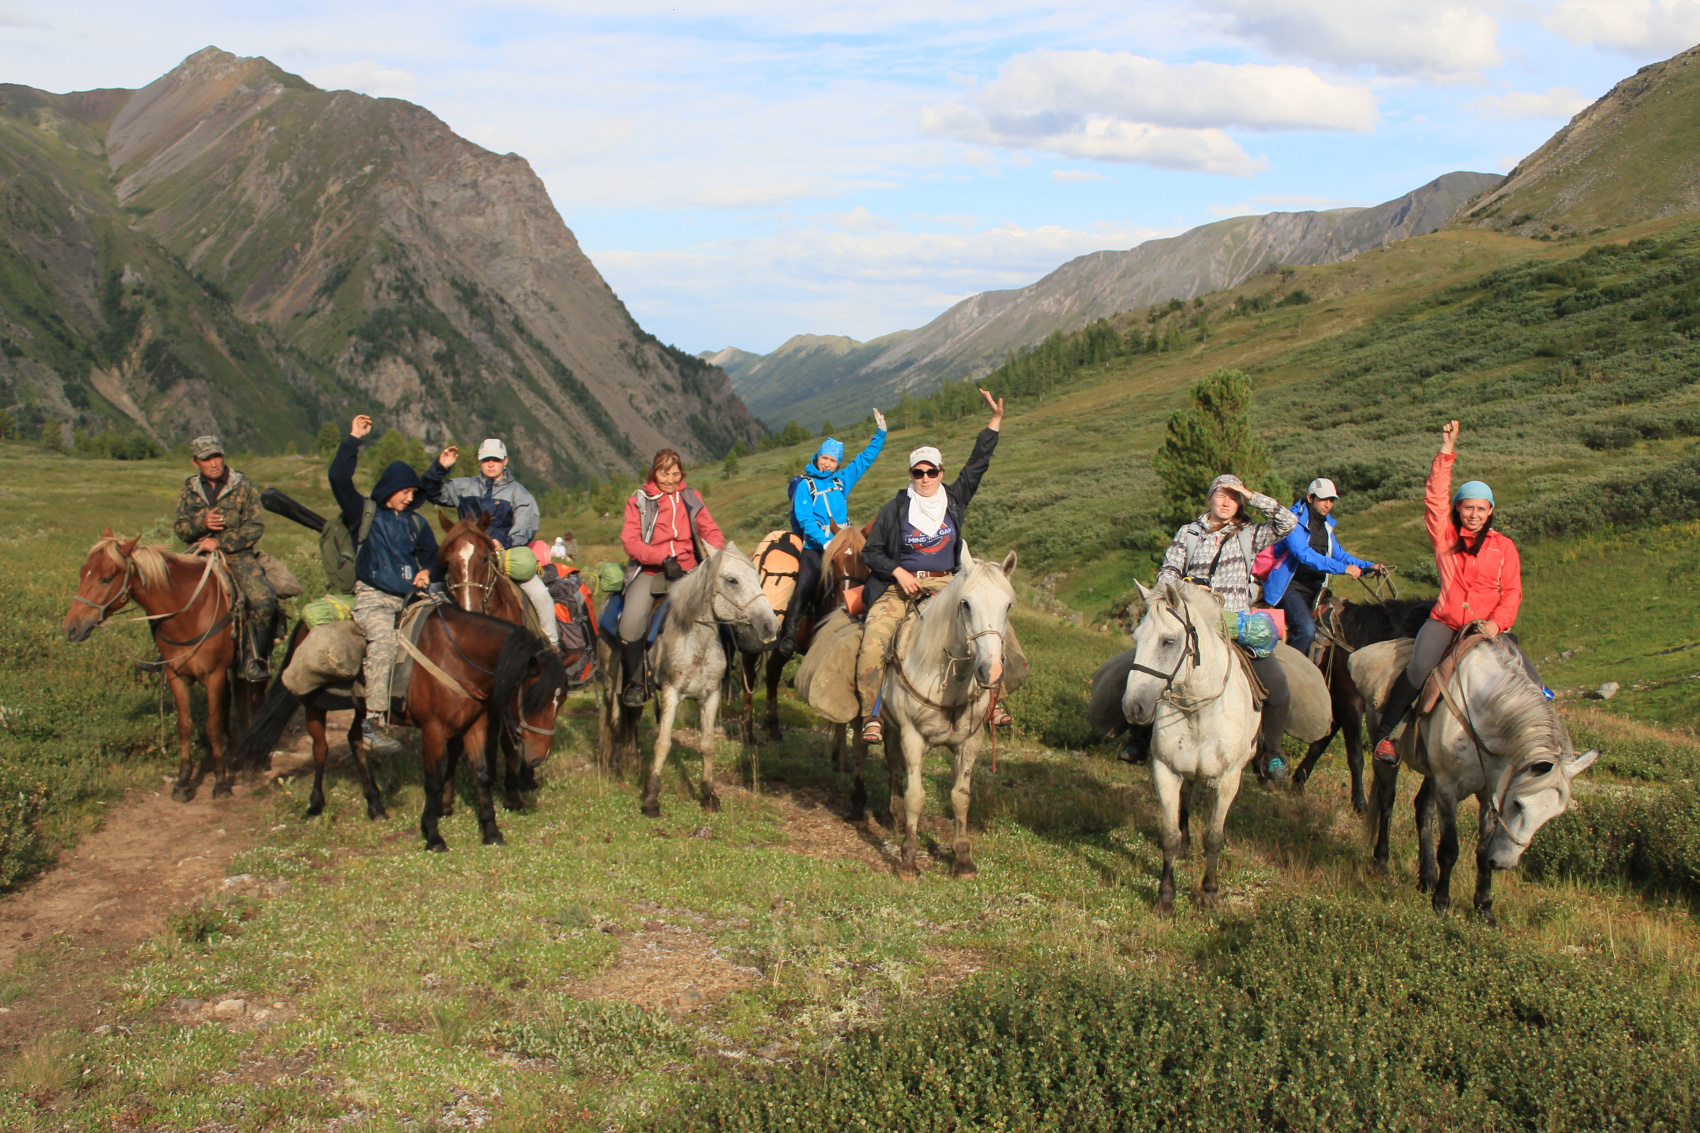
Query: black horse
1344	628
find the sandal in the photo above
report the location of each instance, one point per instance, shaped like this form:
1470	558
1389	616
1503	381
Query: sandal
872	733
1001	717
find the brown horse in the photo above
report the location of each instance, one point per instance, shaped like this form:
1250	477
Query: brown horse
1343	628
189	608
492	679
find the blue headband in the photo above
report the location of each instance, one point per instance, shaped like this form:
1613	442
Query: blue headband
1474	490
832	447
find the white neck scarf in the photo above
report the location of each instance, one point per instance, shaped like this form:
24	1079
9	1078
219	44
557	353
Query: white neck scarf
926	513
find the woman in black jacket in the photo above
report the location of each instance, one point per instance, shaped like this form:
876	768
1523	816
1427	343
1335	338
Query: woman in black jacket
915	546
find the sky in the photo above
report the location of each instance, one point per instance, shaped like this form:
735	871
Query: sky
744	170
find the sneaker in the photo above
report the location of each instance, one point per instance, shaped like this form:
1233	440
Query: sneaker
872	733
378	738
1276	770
1385	752
634	696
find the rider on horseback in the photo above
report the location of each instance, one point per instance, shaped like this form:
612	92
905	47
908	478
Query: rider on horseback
665	529
915	546
1216	551
393	560
513	513
1481	582
219	510
1304	561
820	506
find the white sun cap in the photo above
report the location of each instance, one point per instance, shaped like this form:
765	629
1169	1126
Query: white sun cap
927	454
492	449
1323	489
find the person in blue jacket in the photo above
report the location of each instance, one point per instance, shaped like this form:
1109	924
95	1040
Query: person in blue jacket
820	504
1305	559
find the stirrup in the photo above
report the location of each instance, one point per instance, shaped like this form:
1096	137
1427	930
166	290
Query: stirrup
634	696
872	732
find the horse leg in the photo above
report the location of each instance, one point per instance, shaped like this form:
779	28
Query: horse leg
218	729
708	709
511	781
1184	820
747	707
484	775
356	748
668	701
321	753
1484	871
451	768
914	798
1386	791
1353	728
1227	787
858	790
1427	871
893	772
432	748
184	789
838	748
775	667
1447	804
960	793
1170	789
1301	773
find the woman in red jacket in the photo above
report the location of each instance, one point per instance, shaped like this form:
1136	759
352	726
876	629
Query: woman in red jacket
665	532
1481	581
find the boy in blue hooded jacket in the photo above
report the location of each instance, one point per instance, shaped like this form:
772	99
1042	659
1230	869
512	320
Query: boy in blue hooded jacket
820	504
1305	559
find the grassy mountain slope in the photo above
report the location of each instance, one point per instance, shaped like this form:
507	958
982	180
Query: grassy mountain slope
1631	156
249	254
825	368
975	335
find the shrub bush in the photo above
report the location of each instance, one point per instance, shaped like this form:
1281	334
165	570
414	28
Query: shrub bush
1647	836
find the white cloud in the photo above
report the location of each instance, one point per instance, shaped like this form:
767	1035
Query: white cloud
1442	42
746	195
1077	175
1628	25
1554	102
1116	106
366	77
860	219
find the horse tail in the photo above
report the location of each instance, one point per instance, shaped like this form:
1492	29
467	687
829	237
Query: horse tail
519	652
266	727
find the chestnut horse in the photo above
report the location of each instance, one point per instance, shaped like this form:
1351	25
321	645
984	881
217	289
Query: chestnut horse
189	609
491	679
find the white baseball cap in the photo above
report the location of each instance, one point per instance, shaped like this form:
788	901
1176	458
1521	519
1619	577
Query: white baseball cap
927	454
492	448
1323	489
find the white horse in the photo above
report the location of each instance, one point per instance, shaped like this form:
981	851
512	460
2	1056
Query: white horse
1494	735
689	662
1186	682
940	693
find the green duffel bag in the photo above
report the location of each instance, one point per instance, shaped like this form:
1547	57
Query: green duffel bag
610	577
330	608
520	563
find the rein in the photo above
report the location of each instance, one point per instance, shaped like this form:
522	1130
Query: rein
125	593
1191	648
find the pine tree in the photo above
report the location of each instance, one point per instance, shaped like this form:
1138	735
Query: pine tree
329	437
1210	437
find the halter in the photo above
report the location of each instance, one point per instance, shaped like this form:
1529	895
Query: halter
1190	648
118	599
492	572
156	620
742	615
951	660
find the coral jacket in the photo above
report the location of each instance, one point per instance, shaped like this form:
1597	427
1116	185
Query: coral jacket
668	518
1472	587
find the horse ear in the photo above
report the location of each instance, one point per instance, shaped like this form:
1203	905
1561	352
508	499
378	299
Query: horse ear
733	547
1584	761
868	527
1172	593
443	519
128	546
106	533
484	522
1009	564
1144	594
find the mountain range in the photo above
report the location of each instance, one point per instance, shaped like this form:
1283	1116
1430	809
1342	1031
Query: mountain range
812	377
231	249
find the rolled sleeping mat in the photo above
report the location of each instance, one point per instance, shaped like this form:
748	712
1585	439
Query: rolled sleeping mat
277	503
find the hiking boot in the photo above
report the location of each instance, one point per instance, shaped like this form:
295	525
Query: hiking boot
872	733
634	694
255	671
379	741
1275	770
1399	700
1001	717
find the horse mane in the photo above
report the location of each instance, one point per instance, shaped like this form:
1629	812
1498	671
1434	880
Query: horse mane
932	634
847	537
153	562
1365	623
1523	712
696	590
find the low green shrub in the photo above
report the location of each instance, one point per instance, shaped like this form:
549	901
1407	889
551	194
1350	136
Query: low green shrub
599	1037
1647	836
1338	1016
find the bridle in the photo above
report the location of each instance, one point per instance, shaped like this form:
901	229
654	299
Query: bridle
492	571
117	600
741	615
155	621
1189	649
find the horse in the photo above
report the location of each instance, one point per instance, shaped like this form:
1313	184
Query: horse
189	609
689	662
481	678
1344	628
939	694
469	562
1187	684
1495	736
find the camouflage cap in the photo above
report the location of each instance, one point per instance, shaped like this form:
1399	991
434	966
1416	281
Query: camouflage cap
202	447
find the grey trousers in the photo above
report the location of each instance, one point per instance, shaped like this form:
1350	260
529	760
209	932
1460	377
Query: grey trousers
538	593
376	612
634	615
1432	641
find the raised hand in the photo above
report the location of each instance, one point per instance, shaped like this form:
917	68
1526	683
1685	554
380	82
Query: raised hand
1449	437
996	406
450	455
879	420
362	425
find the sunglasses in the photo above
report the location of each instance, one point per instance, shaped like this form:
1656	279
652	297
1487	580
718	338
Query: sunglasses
925	473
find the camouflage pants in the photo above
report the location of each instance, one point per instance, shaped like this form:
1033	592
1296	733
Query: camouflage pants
376	612
251	580
878	628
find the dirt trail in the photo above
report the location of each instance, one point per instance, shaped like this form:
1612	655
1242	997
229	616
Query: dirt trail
116	887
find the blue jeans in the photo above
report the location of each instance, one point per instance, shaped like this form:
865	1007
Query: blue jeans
1301	625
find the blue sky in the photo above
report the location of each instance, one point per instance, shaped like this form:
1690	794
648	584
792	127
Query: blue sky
745	170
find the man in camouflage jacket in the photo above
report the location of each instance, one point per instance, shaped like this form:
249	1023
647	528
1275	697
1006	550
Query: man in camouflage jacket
219	510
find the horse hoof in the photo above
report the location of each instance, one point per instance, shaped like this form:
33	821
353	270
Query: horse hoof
1166	909
1442	907
711	804
447	812
1207	901
223	791
1488	918
1360	807
494	838
651	810
182	794
964	869
1425	885
375	811
437	847
315	810
512	803
772	734
1378	869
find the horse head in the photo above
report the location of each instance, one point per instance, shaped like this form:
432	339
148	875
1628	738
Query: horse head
466	547
103	586
1165	639
983	603
1534	792
735	594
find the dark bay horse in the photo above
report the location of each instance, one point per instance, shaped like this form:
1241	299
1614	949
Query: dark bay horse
1344	628
188	607
493	678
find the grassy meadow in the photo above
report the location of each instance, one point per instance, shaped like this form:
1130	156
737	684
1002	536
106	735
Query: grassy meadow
762	969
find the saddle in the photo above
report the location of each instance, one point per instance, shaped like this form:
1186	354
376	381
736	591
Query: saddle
1259	694
1434	687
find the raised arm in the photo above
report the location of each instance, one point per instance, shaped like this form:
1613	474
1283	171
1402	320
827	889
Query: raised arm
865	459
1437	493
1281	523
341	473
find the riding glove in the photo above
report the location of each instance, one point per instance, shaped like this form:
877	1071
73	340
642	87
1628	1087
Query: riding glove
671	568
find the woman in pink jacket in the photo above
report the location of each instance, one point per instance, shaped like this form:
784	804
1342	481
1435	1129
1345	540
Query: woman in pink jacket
1481	581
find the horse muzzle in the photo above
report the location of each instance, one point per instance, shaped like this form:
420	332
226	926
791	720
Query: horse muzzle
765	625
78	628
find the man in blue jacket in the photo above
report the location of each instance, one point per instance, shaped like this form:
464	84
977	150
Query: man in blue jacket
820	505
1305	559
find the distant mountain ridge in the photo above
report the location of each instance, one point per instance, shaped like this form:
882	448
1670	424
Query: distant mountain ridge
231	249
811	377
